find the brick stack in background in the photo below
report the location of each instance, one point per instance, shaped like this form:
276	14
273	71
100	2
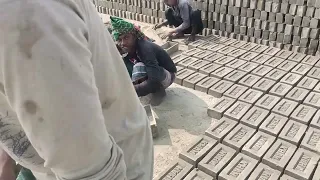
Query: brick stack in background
286	24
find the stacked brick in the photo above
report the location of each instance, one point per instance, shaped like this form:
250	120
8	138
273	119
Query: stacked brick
148	11
267	111
286	24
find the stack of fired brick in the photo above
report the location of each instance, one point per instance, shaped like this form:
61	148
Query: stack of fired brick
267	111
149	11
288	24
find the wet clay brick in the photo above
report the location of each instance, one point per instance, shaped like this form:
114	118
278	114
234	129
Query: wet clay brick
264	172
264	85
198	64
273	62
206	83
194	153
262	58
291	79
226	50
301	69
203	54
271	51
235	76
303	114
235	91
176	59
221	72
176	171
311	140
248	66
187	61
238	44
285	107
212	57
297	57
261	70
254	117
220	128
218	158
307	83
249	80
302	164
317	88
293	132
286	177
248	46
258	145
196	43
275	74
235	63
251	96
314	73
273	124
248	56
237	53
191	52
287	65
219	88
237	138
279	155
223	60
216	47
259	48
310	60
207	69
316	175
197	174
184	73
313	99
297	94
205	45
267	101
192	80
283	54
220	106
280	89
237	110
316	120
239	168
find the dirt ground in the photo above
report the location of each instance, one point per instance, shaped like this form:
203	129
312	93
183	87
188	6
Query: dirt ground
182	117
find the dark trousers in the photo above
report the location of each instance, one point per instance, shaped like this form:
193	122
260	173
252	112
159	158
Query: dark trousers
195	21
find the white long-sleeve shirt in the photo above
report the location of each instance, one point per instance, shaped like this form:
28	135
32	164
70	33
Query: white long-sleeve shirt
65	92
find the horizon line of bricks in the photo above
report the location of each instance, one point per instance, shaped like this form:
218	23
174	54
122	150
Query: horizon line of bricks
286	24
267	111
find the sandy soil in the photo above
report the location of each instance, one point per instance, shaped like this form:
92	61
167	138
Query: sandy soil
182	117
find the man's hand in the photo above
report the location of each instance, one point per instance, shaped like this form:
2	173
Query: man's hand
6	166
169	34
157	26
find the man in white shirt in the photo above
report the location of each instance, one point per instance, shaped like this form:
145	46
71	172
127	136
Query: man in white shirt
68	108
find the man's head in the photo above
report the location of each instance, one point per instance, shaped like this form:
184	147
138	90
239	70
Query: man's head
125	33
127	42
171	2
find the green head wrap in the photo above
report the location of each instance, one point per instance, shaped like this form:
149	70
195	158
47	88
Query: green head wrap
120	27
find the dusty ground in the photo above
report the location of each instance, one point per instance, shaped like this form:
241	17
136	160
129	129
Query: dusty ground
181	117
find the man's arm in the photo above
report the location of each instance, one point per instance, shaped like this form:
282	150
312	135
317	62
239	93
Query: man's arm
50	84
185	16
155	73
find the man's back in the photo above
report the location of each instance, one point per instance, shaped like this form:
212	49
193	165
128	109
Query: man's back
62	76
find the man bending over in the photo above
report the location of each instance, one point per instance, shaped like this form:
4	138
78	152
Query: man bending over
150	67
181	16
